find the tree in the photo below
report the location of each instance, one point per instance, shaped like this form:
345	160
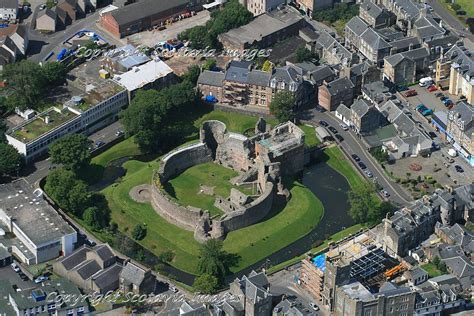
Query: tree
192	75
206	284
267	66
11	161
25	84
303	54
54	73
166	256
436	261
212	259
210	64
364	204
379	154
92	217
282	106
67	191
72	151
139	232
3	130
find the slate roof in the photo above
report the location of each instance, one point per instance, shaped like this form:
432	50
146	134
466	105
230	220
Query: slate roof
390	110
458	263
405	43
374	40
104	252
211	78
340	85
48	12
108	277
416	273
394	60
344	111
360	107
133	274
238	71
75	258
427	27
10	4
372	9
286	74
143	9
357	25
87	269
259	78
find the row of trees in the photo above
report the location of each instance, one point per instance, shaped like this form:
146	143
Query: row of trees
365	205
231	16
340	11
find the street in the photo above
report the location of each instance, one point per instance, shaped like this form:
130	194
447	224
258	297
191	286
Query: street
352	145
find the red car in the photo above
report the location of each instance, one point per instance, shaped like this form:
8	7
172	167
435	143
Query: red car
432	88
410	93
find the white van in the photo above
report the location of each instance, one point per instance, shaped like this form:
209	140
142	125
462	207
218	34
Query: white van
425	81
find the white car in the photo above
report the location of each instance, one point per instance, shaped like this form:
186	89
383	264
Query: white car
314	306
15	267
368	174
41	279
173	289
344	127
385	193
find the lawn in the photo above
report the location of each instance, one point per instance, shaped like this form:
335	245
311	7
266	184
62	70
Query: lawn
126	148
186	187
338	161
468	6
431	269
310	136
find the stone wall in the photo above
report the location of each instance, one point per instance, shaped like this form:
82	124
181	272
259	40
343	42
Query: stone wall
181	159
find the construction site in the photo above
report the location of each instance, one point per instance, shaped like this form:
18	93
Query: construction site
357	258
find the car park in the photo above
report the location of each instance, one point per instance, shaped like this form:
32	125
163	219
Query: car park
362	165
355	157
339	138
332	129
459	168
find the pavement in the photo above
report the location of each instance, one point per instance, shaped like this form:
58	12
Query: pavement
353	145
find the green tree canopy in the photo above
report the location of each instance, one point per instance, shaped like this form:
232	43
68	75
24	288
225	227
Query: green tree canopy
282	106
92	217
365	206
206	284
11	161
213	260
54	73
303	54
210	64
25	84
72	151
192	75
139	232
67	191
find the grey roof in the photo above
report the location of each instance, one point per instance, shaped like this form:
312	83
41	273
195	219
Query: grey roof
344	111
133	274
372	9
286	74
87	269
211	78
390	110
416	273
47	12
374	40
411	9
145	8
9	4
76	258
238	71
259	78
357	25
357	291
339	86
4	252
262	26
427	27
107	277
322	72
360	107
32	214
418	53
104	252
389	289
405	43
394	60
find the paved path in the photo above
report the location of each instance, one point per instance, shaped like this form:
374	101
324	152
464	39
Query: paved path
353	145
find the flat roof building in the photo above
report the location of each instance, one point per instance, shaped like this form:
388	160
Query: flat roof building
41	234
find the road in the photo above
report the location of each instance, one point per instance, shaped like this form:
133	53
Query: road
40	169
353	145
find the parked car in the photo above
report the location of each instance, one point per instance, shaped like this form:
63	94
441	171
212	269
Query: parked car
427	112
323	123
314	306
368	173
432	135
344	127
339	138
385	193
420	106
439	95
99	143
41	279
402	88
432	88
15	267
355	157
362	165
443	98
173	289
459	168
23	276
119	133
449	159
410	93
332	129
447	102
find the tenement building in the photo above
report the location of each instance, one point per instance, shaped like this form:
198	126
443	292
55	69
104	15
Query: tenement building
40	233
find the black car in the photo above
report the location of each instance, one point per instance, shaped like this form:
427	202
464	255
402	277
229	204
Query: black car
355	157
323	123
459	168
432	135
439	95
332	129
339	137
362	165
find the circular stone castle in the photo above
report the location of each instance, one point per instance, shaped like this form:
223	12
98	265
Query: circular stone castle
260	160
